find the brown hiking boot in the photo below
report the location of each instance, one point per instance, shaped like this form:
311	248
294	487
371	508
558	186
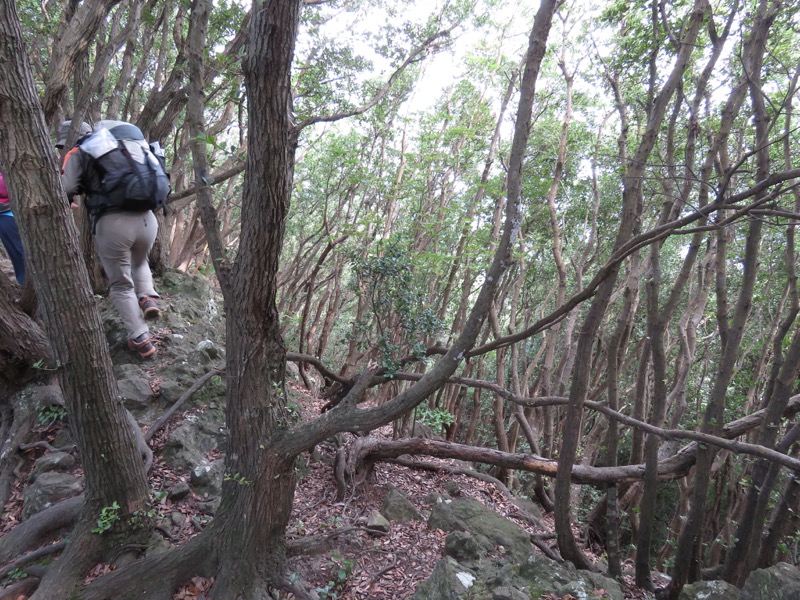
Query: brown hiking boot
149	307
142	345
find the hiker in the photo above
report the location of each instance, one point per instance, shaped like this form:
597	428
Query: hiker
123	182
9	234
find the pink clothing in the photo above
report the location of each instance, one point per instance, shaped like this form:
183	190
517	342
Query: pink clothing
3	191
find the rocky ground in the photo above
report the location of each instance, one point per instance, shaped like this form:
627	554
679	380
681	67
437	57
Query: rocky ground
368	558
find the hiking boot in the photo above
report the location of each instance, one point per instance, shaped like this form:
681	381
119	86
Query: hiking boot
149	307
142	345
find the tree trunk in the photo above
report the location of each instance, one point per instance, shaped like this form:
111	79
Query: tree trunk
631	196
108	445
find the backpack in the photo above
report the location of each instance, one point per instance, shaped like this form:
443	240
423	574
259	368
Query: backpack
131	172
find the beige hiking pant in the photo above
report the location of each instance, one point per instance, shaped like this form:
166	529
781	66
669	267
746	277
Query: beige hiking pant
123	241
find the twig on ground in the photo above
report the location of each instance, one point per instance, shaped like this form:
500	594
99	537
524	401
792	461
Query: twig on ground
316	543
383	571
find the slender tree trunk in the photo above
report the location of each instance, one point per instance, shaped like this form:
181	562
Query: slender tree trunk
631	201
687	552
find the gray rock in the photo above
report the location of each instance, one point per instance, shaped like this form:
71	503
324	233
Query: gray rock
466	514
543	576
209	506
48	489
508	593
46	395
710	590
63	439
424	431
157	545
208	477
179	491
452	488
189	445
779	582
528	506
377	522
396	507
462	546
208	349
449	581
134	387
178	518
55	461
582	588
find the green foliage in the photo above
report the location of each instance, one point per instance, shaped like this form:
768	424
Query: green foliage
401	320
141	518
237	478
435	418
13	575
108	516
49	414
341	568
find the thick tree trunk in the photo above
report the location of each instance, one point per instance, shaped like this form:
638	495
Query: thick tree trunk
114	471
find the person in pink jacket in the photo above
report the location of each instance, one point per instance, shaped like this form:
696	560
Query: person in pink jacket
9	234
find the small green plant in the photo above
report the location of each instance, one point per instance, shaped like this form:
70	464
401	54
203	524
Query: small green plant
434	417
108	516
238	478
50	413
140	518
341	569
39	364
12	576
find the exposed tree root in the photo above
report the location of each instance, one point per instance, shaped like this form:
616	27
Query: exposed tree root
21	588
539	542
155	577
32	556
18	420
40	528
83	551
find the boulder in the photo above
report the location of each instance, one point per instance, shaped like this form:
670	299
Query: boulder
462	546
544	575
396	507
178	491
377	522
467	514
778	582
49	489
449	581
190	444
509	593
55	461
134	387
710	590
